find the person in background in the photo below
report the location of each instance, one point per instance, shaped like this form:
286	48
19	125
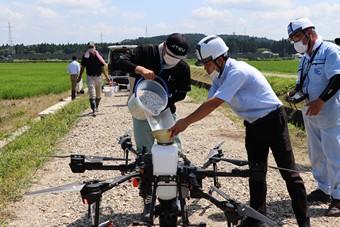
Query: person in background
250	96
95	66
319	81
73	69
165	60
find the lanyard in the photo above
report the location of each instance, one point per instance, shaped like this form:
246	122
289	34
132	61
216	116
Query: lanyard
304	74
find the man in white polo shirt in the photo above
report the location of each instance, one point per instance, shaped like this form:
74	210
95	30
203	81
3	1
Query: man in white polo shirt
73	69
250	96
319	81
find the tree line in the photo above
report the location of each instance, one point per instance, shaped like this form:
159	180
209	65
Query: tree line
239	45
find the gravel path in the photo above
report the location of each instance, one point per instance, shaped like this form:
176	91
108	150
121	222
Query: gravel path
98	136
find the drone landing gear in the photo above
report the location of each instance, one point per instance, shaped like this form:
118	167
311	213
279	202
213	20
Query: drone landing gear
92	194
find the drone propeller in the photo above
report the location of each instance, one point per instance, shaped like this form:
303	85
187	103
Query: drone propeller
215	152
90	158
77	186
243	163
127	135
250	212
218	146
244	210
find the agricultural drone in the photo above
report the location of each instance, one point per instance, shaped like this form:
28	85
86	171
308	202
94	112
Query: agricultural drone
171	189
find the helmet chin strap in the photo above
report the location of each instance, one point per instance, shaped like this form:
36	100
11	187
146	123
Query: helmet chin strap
220	68
308	41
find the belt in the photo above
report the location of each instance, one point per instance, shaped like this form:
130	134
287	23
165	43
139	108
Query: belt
267	117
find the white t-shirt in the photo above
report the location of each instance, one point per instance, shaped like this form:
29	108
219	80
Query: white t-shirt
325	65
73	68
246	90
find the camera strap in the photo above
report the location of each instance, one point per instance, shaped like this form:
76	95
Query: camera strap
304	73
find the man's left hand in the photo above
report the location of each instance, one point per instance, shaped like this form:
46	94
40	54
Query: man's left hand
180	126
314	107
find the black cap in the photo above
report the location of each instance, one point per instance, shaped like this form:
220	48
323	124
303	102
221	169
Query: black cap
90	44
177	44
337	41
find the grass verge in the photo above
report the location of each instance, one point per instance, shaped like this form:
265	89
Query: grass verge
20	159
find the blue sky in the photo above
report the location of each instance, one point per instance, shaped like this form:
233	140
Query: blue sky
78	21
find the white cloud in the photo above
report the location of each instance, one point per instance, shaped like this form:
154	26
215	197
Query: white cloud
252	4
8	14
46	12
82	4
210	13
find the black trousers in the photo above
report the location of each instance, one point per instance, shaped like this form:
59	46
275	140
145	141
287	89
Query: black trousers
271	132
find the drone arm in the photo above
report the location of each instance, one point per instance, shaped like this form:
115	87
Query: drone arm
233	161
79	165
201	173
122	179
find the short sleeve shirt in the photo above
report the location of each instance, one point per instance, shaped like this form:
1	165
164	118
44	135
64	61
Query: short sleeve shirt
246	90
92	64
325	65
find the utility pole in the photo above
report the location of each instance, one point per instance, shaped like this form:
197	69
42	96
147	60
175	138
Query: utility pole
10	40
101	37
146	31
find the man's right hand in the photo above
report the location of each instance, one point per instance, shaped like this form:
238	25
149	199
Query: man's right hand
289	94
146	73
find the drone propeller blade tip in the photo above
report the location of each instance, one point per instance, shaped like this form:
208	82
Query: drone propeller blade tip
250	212
77	186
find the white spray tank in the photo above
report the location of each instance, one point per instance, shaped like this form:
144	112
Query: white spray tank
164	153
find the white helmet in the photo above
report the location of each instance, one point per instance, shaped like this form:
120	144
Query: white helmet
210	48
299	25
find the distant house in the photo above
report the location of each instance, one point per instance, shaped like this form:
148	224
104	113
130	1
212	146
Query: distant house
269	54
297	55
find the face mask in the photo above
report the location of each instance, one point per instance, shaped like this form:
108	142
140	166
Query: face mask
92	50
214	74
300	47
170	61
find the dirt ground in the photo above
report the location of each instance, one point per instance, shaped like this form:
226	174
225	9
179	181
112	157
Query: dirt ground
98	136
16	113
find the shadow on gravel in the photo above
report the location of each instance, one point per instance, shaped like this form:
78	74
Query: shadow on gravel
90	114
126	95
317	212
118	105
278	211
194	207
86	114
118	219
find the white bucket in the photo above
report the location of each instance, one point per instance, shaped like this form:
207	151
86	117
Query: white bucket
149	98
108	91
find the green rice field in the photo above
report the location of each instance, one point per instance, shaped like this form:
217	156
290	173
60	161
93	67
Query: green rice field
274	66
20	80
278	66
